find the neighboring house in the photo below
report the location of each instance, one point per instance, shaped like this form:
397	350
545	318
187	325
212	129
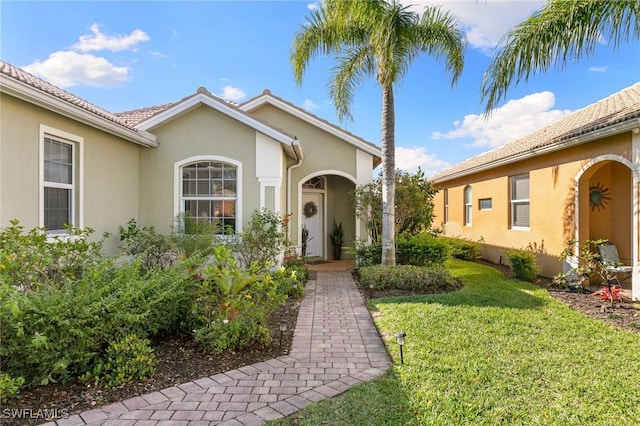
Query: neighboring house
577	178
64	160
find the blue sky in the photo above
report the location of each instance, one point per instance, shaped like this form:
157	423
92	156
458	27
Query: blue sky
128	55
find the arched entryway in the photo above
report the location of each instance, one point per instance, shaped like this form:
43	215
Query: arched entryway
605	205
324	200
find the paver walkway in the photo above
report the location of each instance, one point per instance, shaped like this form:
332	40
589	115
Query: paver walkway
335	346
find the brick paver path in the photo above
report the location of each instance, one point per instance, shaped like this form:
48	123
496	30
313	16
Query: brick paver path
335	346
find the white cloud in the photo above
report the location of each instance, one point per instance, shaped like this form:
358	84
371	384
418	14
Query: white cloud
159	54
66	69
409	159
514	119
309	105
313	6
598	69
101	41
233	94
485	22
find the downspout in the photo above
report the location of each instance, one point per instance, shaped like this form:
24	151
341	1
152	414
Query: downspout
297	150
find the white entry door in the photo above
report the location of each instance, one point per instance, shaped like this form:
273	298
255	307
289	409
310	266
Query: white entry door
314	224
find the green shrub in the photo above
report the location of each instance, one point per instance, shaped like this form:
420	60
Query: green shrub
406	277
523	264
154	250
296	265
462	248
125	360
57	332
240	332
9	386
35	258
422	250
261	240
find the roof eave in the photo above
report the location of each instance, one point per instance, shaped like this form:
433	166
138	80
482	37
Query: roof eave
611	130
192	102
268	99
35	96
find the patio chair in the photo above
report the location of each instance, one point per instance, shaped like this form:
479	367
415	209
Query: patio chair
610	260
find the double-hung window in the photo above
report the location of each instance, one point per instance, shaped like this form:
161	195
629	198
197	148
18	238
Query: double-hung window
58	183
468	205
209	194
519	197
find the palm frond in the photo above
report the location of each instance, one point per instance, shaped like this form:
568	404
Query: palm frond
563	31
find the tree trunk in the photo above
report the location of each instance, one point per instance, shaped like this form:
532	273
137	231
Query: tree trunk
388	177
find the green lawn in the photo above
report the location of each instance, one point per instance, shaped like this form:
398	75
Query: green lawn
499	351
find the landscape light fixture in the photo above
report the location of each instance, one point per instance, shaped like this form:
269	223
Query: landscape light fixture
400	341
283	327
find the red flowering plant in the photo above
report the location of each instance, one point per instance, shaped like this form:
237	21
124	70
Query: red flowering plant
285	231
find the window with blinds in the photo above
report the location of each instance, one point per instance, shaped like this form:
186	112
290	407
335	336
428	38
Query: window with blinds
519	196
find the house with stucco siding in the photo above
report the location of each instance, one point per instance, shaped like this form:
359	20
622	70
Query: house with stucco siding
65	161
575	179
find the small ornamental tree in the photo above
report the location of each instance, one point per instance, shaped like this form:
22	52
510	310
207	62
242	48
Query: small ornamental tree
414	193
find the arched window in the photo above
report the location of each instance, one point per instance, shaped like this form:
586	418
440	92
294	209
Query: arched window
209	193
468	205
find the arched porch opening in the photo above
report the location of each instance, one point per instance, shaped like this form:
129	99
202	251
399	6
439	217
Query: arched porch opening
605	209
325	199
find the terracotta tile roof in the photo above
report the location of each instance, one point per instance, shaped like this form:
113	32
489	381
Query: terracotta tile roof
48	88
304	111
615	109
136	116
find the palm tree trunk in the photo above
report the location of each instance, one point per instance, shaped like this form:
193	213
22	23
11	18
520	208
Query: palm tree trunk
388	177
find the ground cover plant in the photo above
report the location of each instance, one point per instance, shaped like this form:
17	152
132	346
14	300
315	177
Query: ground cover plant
498	351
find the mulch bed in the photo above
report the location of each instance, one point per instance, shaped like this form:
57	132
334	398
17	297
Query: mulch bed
180	360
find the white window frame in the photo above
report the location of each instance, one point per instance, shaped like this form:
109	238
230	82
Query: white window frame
518	202
77	169
178	203
468	206
481	208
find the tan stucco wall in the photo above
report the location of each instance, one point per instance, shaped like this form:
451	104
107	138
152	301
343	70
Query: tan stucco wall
110	170
340	208
552	183
322	151
202	131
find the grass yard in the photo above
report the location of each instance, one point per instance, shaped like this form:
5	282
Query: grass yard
499	351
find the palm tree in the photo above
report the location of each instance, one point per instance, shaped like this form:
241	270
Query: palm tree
377	38
563	30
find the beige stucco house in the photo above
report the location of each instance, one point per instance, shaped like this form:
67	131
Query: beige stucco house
577	178
64	160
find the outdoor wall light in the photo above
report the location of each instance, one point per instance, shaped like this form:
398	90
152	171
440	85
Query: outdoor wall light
400	341
283	327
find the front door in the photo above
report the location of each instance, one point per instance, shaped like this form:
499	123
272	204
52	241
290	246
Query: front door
314	222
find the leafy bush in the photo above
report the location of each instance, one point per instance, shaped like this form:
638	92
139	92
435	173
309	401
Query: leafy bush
296	265
35	258
9	386
58	332
422	250
154	250
232	305
261	240
125	360
523	264
407	277
462	248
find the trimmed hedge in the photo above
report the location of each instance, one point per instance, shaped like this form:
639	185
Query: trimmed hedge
407	277
462	249
523	264
422	250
